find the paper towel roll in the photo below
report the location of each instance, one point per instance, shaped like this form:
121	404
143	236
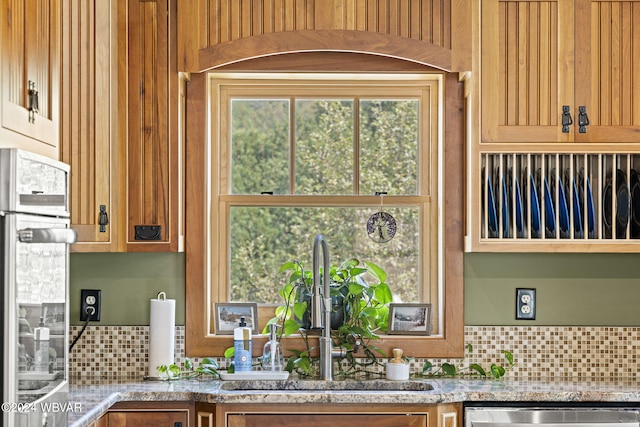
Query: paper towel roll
162	329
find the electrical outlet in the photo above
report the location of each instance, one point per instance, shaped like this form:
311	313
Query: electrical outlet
90	299
525	304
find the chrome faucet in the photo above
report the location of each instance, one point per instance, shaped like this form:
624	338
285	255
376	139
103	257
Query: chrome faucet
321	309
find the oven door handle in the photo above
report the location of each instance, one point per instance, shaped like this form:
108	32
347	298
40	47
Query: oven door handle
47	235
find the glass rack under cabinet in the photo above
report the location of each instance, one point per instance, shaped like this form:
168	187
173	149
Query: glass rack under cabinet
560	196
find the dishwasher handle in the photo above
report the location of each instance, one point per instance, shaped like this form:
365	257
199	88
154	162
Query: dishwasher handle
552	417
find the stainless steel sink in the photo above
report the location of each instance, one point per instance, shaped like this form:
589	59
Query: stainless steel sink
347	385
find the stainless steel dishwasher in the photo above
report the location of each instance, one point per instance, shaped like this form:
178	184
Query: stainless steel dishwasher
551	417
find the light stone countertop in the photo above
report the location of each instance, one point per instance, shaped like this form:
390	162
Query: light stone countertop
94	397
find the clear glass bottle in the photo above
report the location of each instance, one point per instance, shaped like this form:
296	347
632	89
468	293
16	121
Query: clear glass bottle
272	357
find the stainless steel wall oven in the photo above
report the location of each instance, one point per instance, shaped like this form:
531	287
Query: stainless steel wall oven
34	255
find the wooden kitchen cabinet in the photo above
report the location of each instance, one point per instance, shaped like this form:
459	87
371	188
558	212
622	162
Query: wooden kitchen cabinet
151	414
326	420
89	137
540	57
449	415
543	175
30	75
337	415
607	63
147	419
149	89
103	421
120	130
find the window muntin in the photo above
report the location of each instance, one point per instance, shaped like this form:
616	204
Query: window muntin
414	180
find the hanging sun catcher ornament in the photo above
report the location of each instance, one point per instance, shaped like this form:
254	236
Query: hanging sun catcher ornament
381	226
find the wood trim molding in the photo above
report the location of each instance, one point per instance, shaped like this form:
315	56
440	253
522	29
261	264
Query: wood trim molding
325	41
197	340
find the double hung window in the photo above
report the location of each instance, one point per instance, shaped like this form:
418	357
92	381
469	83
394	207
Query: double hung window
293	155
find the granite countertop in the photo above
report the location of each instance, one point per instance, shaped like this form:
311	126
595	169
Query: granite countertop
95	397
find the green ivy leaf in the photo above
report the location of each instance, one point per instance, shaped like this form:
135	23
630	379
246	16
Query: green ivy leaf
356	271
509	356
304	364
497	371
290	327
427	367
378	273
288	266
349	264
187	364
299	308
229	352
209	362
383	293
469	348
295	276
356	289
479	369
174	370
449	369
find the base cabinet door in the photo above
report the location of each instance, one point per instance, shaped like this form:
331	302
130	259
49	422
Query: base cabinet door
335	415
325	420
150	414
103	421
147	419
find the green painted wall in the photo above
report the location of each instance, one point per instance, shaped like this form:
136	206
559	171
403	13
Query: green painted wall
572	289
128	282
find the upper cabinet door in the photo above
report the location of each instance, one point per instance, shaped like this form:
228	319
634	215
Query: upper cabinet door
152	99
30	76
88	134
607	65
527	69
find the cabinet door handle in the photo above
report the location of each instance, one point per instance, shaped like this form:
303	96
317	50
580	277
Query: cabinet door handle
583	119
566	118
33	101
103	218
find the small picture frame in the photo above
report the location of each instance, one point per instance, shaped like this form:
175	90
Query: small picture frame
410	319
228	314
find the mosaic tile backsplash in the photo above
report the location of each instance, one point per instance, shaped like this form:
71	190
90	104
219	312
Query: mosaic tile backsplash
542	351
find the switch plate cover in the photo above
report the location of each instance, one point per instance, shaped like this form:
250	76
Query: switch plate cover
525	304
90	298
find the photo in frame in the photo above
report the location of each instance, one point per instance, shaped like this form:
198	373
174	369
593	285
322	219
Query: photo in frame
228	314
410	319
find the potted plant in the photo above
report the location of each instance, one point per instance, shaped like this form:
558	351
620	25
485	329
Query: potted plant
360	311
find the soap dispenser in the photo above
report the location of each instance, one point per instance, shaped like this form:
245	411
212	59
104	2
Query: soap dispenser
397	368
242	347
272	357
